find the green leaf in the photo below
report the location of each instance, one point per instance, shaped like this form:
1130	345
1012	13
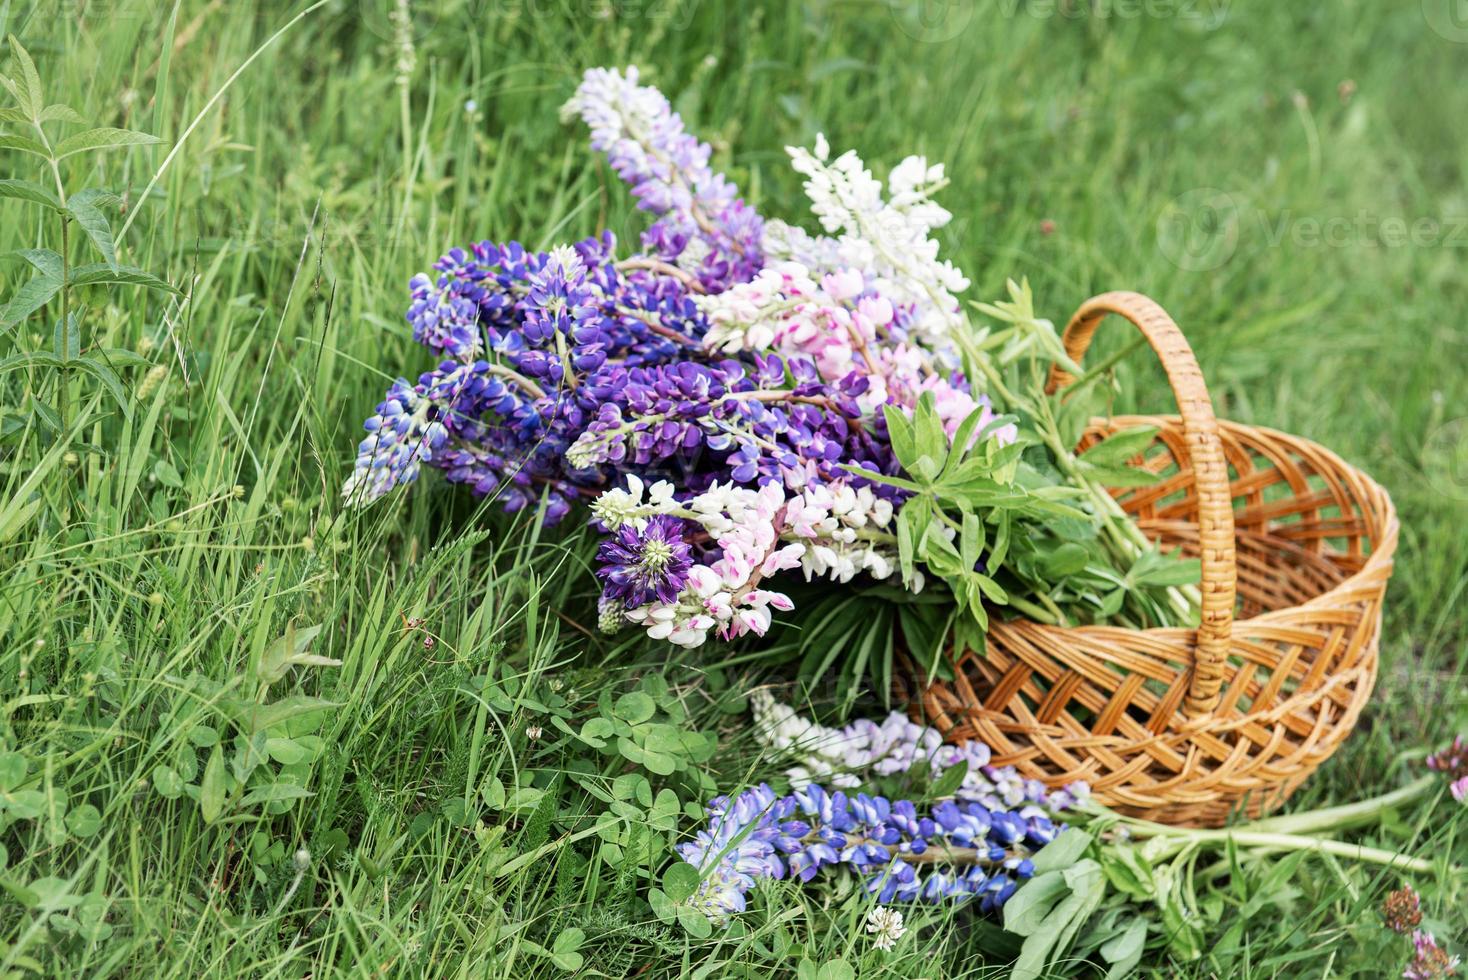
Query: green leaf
900	434
24	144
948	783
84	821
95	224
271	793
1153	567
261	718
694	922
101	274
26	190
563	952
680	881
1119	447
931	441
596	731
289	651
634	707
57	112
104	138
1029	907
1063	561
32	98
1124	952
99	369
66	342
1062	852
285	751
12	770
168	782
28	299
212	788
45	261
1119	476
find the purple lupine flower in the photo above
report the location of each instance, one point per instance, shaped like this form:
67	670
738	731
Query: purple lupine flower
703	224
642	565
405	431
1452	762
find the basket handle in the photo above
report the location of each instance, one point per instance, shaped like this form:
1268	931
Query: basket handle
1210	474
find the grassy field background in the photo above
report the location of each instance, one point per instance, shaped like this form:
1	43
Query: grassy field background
1287	179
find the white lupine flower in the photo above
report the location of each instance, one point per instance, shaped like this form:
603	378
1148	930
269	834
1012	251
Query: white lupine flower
889	240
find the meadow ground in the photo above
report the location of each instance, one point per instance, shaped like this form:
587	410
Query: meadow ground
1287	179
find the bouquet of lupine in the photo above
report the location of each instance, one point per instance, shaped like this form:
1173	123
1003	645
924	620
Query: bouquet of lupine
738	401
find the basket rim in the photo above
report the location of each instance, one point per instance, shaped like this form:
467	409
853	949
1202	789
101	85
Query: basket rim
1382	552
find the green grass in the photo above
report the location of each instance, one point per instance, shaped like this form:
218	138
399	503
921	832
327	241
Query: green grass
150	563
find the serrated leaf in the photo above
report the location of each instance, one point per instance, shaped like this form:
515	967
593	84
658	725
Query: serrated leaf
24	144
101	274
28	190
28	299
43	260
57	112
103	138
95	224
31	96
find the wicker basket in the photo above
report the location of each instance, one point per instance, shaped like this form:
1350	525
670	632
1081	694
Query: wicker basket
1188	726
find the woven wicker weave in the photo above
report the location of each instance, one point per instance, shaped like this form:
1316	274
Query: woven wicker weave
1186	726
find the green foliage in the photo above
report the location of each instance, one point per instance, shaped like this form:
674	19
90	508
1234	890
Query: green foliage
55	279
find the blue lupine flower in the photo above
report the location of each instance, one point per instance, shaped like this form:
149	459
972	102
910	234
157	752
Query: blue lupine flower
971	852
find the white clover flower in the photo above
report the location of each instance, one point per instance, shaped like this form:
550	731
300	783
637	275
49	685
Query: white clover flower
885	925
